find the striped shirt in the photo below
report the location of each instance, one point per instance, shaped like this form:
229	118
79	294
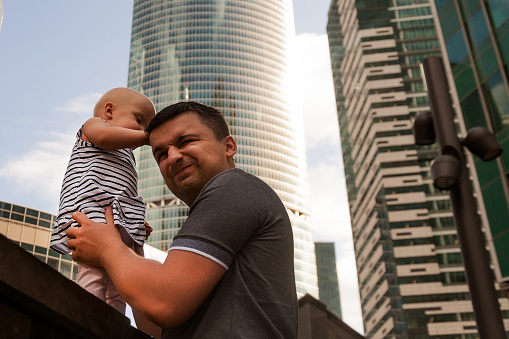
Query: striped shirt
95	179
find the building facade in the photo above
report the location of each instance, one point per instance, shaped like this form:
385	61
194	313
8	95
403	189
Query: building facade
31	230
411	276
328	284
475	37
231	55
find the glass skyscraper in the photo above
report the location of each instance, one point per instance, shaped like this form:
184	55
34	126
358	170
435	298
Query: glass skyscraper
328	283
475	35
411	275
231	55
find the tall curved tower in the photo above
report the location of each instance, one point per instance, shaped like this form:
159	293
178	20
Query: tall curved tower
231	55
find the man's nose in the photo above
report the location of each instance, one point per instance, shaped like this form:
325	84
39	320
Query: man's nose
174	155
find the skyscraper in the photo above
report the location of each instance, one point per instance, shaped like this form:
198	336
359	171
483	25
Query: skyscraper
328	284
411	275
475	36
231	55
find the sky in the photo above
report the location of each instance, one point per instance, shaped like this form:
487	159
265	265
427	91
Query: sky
58	57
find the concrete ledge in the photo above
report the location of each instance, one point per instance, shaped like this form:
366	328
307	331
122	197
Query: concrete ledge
38	302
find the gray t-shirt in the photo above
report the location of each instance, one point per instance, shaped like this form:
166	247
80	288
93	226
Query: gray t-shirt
239	222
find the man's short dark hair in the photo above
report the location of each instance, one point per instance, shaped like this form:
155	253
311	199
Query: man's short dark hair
209	115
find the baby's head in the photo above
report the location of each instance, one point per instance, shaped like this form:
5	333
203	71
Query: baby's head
124	107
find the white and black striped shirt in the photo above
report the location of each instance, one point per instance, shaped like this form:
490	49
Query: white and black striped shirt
96	178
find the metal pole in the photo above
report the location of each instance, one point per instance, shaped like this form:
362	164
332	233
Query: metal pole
471	239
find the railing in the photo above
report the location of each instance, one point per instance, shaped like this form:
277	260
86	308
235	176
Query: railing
38	302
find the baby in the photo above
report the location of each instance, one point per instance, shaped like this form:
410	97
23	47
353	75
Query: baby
101	173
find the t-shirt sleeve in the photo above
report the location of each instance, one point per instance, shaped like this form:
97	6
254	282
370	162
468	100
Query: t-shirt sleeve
223	218
205	249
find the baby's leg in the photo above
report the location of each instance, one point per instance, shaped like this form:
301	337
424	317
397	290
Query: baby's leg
93	279
113	298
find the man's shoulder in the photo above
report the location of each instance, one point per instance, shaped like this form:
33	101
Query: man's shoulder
237	176
238	187
236	181
233	173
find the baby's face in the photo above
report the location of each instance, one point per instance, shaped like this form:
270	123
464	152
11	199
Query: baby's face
134	113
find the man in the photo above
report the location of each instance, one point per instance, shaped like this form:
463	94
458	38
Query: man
229	272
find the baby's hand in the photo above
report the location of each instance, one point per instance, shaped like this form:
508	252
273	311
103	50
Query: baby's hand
148	230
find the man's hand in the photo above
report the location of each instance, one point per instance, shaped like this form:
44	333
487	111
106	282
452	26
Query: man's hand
91	242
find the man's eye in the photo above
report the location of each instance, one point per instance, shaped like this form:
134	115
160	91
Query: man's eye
159	156
162	157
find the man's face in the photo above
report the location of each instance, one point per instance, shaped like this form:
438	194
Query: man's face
189	155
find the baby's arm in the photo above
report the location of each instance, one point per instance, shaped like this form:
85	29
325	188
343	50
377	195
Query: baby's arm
96	131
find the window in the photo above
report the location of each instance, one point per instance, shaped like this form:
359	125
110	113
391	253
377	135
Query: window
498	103
499	11
469	6
472	111
477	28
456	48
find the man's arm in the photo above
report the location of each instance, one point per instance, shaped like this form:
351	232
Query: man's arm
168	293
101	135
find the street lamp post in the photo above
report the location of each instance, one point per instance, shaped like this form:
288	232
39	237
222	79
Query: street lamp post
450	173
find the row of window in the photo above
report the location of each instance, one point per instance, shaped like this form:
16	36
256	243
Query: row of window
178	22
26	215
275	109
196	53
161	35
413	12
266	10
255	70
421	32
223	42
198	85
61	263
224	29
276	59
269	6
413	46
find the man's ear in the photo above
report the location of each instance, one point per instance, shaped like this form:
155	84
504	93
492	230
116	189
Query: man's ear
230	146
108	110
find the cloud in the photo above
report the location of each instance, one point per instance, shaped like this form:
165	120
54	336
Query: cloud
82	104
331	223
38	173
350	305
330	215
315	85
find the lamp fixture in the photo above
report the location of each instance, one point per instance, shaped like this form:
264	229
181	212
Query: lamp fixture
445	171
482	143
424	131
